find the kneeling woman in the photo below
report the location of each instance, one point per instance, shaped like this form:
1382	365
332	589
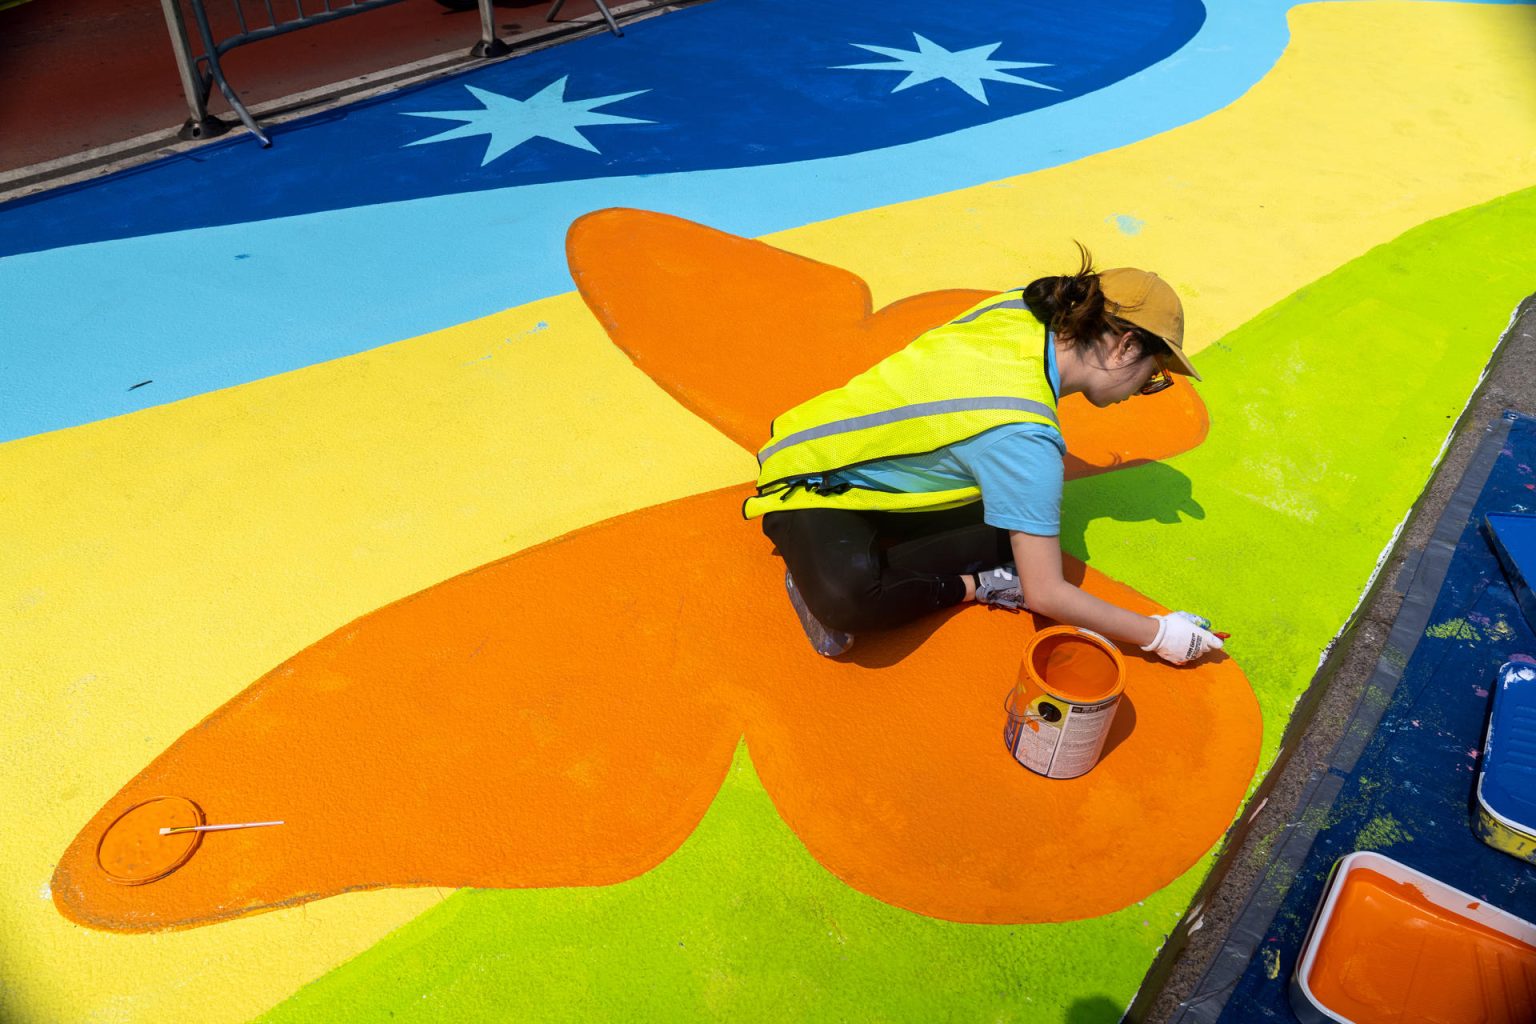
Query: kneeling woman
935	477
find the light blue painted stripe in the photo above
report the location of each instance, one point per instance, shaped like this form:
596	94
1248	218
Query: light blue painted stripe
199	310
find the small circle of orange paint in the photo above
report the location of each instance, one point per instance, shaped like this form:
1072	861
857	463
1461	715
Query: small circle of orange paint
133	852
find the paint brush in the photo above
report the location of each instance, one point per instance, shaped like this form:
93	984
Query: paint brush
216	828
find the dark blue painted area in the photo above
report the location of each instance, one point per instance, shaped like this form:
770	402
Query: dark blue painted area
729	84
1414	785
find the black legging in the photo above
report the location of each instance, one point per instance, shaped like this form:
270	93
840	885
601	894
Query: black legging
861	571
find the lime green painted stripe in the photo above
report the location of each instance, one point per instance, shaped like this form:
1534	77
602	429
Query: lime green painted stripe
1327	412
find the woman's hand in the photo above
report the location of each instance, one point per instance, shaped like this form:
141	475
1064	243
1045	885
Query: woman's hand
1177	638
1182	637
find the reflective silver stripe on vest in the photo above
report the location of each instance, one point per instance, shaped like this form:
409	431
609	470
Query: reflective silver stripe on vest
1005	304
909	412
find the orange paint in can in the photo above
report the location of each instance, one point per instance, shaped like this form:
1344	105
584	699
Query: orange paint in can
1059	714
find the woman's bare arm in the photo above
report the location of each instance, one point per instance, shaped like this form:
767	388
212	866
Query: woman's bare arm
1047	592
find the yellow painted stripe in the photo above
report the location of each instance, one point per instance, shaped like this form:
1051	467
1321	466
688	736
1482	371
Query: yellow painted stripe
156	564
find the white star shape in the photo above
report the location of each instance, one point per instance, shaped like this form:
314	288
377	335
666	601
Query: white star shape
966	69
510	123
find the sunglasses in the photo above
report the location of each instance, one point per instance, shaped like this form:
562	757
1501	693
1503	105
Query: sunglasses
1161	380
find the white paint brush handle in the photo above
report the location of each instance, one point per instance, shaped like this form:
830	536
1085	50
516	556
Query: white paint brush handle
216	828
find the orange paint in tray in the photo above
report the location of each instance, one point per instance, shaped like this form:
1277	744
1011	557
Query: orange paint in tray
1393	946
1070	682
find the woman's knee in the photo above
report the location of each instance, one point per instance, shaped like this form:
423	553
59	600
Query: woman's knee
843	595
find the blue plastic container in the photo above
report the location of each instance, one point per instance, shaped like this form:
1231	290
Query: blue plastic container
1506	787
1513	538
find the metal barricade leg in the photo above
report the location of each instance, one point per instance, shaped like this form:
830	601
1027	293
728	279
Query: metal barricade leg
613	26
199	125
211	55
198	83
602	8
489	45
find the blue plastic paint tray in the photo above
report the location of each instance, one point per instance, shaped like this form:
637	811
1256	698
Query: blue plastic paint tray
1506	787
1513	538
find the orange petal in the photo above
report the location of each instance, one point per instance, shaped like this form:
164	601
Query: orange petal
739	331
530	723
895	776
734	329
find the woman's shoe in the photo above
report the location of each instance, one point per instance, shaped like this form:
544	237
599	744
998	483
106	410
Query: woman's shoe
827	642
1000	588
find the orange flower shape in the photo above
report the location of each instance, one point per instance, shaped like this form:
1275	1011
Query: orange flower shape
511	727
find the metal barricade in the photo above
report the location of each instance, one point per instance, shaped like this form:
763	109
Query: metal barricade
200	74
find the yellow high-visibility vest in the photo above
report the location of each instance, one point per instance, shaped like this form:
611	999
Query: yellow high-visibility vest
984	369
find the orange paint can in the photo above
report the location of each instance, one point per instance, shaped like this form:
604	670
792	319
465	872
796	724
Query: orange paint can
1059	714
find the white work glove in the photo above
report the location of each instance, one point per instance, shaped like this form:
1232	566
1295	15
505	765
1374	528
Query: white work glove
1181	637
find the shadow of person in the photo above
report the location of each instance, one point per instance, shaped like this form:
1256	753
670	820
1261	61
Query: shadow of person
1121	728
890	647
1150	492
1094	1010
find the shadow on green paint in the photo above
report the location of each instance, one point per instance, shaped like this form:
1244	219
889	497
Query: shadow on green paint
1151	492
1096	1010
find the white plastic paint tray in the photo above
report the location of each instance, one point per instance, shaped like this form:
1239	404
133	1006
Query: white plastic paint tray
1391	945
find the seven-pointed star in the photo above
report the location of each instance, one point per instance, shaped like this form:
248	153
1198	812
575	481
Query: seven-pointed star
965	68
510	123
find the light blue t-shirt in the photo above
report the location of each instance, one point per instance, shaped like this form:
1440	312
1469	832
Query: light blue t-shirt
1018	468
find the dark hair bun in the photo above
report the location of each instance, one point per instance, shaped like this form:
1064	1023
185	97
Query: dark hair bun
1073	307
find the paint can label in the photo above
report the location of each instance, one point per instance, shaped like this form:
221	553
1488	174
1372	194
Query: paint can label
1060	714
1060	740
